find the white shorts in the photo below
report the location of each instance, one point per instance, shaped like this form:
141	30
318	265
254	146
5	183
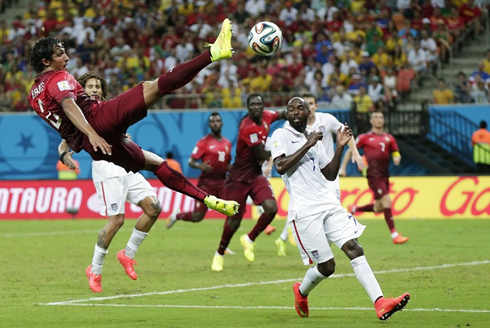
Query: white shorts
115	191
315	233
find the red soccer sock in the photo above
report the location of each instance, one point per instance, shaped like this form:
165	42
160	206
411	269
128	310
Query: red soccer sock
263	221
389	219
187	216
176	181
228	233
183	73
365	208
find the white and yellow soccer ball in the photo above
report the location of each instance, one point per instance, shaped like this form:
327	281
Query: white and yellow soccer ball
265	38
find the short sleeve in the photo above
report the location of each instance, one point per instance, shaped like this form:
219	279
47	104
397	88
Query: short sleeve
332	122
62	86
360	141
250	135
278	144
198	150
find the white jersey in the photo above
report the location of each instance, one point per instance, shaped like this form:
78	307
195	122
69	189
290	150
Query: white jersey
305	182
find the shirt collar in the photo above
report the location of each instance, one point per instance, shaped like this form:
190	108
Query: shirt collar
293	130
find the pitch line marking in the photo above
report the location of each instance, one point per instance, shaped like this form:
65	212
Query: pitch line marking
51	233
434	267
267	307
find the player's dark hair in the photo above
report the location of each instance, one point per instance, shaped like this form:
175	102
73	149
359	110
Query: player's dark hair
214	114
377	111
170	155
252	95
43	49
309	95
92	75
483	124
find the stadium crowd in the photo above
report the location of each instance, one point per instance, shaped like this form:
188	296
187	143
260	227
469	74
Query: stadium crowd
365	52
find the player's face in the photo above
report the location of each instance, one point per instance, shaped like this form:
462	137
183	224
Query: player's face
255	107
93	88
215	124
377	120
313	106
298	112
59	60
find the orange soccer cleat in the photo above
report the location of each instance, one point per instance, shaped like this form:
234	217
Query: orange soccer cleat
269	229
400	239
94	280
128	264
300	302
385	307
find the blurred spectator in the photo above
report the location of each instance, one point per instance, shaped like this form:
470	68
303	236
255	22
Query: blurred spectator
442	95
462	89
417	59
470	13
480	140
377	93
342	99
455	23
443	40
479	72
486	62
479	93
363	102
429	46
390	84
172	162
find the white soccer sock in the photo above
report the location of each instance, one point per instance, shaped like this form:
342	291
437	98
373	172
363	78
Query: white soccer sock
366	277
312	278
98	260
394	234
134	242
284	233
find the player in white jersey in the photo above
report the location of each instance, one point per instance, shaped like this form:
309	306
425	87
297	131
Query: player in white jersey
114	187
319	218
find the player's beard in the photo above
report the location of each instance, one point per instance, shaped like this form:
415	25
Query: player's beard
299	126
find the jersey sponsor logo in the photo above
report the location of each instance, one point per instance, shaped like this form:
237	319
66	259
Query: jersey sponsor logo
63	85
254	138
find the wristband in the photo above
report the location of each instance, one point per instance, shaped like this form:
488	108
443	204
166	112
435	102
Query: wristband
62	156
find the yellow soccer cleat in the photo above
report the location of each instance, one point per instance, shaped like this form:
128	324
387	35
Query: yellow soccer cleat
291	239
248	248
226	207
281	247
221	48
217	262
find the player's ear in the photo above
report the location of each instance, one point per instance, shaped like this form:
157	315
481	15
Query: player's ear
46	62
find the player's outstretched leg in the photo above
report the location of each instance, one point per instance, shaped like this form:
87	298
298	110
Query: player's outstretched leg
385	307
226	207
221	48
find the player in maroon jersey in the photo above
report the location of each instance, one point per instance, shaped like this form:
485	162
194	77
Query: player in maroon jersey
378	146
214	153
246	178
99	127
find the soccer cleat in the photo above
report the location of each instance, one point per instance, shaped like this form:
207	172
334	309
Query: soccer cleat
291	239
400	239
300	302
385	307
281	247
269	229
221	48
172	218
128	264
229	251
226	207
351	209
217	262
94	280
248	248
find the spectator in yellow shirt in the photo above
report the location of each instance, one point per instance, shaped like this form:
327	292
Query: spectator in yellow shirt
442	95
262	82
381	58
231	98
364	103
486	63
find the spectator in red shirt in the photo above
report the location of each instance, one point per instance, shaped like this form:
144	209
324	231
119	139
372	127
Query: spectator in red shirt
455	23
471	14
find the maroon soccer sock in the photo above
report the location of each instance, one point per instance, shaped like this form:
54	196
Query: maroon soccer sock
365	208
389	219
263	221
183	73
187	216
176	181
228	233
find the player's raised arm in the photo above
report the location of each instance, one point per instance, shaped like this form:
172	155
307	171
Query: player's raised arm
332	169
75	115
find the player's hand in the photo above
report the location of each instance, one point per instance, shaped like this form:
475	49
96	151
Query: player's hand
342	172
358	160
267	171
397	160
68	161
205	167
344	134
313	138
99	143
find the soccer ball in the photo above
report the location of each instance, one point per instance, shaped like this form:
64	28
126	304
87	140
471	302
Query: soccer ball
265	38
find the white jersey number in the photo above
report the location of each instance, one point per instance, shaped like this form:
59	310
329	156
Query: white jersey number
57	122
221	156
383	146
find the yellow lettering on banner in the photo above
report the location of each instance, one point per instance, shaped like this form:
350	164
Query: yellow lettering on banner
413	197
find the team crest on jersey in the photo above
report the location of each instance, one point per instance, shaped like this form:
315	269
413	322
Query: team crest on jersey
322	129
315	254
275	144
63	85
254	138
387	139
114	206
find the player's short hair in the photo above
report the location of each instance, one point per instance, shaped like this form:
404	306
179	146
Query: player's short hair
252	95
214	114
483	124
43	49
92	75
309	95
376	112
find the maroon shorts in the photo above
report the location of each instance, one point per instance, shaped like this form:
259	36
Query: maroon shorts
111	119
258	189
214	189
380	186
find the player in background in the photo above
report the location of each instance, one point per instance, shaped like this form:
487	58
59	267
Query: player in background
114	187
86	123
328	125
246	178
378	146
211	155
319	218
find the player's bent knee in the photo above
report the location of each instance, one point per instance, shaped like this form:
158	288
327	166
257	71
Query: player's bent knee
117	221
327	268
270	207
352	249
233	224
197	216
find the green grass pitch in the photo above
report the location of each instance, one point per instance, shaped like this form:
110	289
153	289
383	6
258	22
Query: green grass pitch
44	262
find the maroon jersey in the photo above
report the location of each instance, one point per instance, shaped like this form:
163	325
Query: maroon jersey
47	93
247	166
216	153
377	149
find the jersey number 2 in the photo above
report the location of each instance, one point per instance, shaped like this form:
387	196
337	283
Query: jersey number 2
57	122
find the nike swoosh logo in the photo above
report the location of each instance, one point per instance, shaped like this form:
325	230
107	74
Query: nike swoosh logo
211	147
295	141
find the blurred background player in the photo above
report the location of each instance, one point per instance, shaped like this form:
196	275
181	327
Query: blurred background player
115	186
66	173
246	178
319	218
169	158
378	146
480	140
328	125
214	153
